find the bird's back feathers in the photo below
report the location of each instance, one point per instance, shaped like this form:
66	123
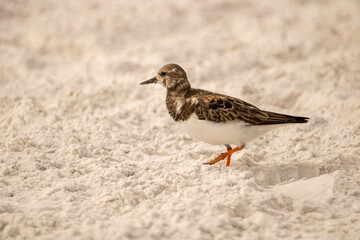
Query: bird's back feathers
221	108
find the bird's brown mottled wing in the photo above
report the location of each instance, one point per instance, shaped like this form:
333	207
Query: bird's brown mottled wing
222	108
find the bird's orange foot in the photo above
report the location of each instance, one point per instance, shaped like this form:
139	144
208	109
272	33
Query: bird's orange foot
227	154
222	156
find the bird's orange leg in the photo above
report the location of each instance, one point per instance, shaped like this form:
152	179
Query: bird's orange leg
231	152
228	147
227	154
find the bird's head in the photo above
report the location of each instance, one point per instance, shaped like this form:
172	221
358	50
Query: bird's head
172	77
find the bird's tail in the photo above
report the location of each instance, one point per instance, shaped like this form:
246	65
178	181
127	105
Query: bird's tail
278	118
300	119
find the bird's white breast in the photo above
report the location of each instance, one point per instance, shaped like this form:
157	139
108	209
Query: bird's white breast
234	133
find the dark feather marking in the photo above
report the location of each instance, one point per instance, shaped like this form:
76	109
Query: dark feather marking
228	105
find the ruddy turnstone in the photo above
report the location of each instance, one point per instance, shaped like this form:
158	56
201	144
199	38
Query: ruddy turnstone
215	118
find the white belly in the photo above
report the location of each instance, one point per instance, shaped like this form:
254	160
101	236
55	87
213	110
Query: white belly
233	133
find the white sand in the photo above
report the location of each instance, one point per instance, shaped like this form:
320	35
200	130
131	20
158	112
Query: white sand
88	153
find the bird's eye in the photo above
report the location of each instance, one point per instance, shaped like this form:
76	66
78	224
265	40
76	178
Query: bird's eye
163	73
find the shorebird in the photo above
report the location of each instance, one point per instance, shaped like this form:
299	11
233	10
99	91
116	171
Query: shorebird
216	118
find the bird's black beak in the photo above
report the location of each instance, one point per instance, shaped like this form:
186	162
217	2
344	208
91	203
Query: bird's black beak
151	80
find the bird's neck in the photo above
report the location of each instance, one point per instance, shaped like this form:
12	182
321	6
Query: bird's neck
178	86
179	94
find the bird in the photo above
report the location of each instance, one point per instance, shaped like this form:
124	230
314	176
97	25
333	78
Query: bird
215	118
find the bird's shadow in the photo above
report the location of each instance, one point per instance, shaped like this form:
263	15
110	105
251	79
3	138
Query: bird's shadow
268	176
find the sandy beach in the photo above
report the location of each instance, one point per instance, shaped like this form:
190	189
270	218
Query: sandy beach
88	153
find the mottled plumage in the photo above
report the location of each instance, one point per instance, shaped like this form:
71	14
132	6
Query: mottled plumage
213	117
221	108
